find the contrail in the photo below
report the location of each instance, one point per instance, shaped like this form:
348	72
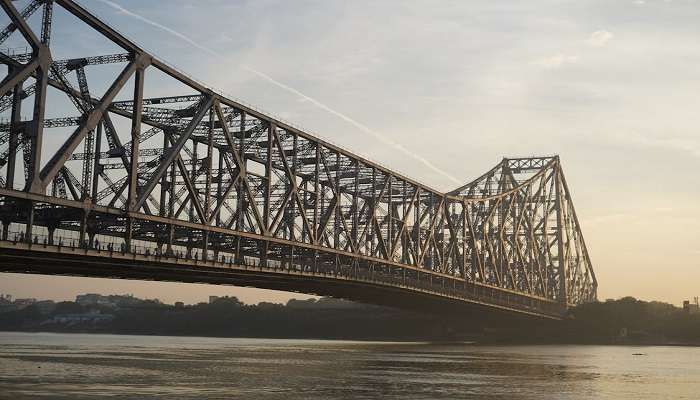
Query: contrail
159	26
364	128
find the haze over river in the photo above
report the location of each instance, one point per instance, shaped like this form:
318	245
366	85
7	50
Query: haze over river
77	366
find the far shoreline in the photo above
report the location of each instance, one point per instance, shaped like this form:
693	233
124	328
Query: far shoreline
430	341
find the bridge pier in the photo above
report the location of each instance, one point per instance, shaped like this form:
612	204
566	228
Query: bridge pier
83	228
5	228
29	226
169	244
205	245
128	234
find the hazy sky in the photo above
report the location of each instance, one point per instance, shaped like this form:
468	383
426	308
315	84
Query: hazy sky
613	87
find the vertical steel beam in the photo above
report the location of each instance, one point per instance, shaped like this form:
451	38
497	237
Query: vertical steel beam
96	166
46	20
36	131
192	176
292	212
15	126
560	239
355	205
164	186
209	166
268	176
390	220
134	165
135	135
338	203
219	188
317	195
240	189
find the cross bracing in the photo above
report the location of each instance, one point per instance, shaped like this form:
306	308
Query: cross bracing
193	175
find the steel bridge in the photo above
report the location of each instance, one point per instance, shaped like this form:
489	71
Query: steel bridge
100	177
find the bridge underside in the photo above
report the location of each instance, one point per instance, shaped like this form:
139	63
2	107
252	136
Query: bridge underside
119	165
471	302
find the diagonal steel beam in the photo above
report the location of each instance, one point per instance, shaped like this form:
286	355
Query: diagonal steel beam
223	197
98	25
404	222
173	152
21	24
26	13
60	157
194	197
19	75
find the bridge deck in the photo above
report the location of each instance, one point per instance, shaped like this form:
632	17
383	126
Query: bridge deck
375	286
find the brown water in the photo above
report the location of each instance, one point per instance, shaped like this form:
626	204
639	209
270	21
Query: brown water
108	366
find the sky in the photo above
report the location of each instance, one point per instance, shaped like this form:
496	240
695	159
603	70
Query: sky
440	91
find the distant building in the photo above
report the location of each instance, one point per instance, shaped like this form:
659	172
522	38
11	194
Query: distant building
179	304
264	305
24	303
325	303
112	300
92	299
89	317
691	308
6	304
45	306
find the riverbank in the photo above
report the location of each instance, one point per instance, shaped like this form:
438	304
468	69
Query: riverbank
621	322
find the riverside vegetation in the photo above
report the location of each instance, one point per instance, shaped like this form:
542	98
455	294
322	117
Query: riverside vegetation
626	320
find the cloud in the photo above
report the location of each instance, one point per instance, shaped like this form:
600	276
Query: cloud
599	38
557	61
290	89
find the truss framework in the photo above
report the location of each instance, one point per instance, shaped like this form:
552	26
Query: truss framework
200	176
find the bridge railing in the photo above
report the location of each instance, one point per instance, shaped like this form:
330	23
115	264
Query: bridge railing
426	283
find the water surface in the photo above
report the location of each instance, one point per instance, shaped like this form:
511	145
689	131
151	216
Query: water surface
76	366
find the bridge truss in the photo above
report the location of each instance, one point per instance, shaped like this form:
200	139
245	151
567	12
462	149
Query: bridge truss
193	186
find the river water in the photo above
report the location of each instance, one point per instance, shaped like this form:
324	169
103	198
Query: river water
76	366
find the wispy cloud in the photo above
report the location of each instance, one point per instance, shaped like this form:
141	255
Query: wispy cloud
599	38
557	61
364	128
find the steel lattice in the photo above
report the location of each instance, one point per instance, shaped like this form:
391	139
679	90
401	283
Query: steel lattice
202	185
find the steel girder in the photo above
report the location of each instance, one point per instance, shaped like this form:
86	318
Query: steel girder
205	177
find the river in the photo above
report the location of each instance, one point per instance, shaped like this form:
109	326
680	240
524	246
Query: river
85	366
